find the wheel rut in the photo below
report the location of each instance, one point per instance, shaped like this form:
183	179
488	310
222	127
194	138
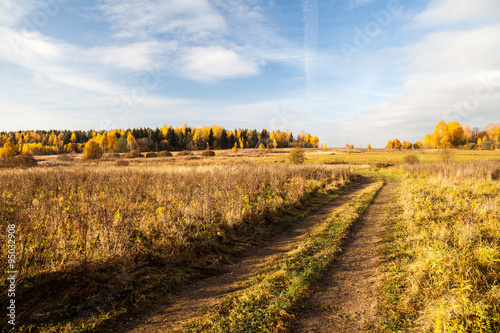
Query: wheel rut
190	302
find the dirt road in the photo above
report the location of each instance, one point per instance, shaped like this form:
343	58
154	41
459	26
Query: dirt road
345	299
206	293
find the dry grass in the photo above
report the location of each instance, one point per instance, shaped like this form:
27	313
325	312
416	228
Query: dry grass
84	216
445	268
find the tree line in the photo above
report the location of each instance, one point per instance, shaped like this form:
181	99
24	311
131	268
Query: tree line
147	139
454	135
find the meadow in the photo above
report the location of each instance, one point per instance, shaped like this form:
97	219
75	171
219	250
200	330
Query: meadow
111	220
443	250
97	239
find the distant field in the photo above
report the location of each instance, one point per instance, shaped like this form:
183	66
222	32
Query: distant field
332	155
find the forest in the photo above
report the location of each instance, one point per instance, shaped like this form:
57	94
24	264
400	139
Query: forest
147	139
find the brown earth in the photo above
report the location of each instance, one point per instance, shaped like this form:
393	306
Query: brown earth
345	299
176	311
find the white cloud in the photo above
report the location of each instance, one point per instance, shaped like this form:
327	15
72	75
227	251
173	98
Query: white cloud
192	18
134	56
440	12
12	11
450	76
215	62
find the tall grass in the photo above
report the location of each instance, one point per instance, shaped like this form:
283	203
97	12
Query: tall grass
445	268
83	214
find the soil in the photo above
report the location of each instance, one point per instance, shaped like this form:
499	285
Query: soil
345	299
176	311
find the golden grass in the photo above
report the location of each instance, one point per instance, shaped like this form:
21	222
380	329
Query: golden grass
100	214
269	299
445	249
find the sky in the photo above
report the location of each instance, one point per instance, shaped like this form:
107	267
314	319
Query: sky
348	71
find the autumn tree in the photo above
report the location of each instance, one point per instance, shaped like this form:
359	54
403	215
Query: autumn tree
8	149
92	149
493	131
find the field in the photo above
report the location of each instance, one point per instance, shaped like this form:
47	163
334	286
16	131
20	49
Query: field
97	241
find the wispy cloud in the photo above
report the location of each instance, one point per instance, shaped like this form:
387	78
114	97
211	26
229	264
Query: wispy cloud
193	19
310	10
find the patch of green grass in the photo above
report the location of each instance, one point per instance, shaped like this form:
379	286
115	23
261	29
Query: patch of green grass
268	302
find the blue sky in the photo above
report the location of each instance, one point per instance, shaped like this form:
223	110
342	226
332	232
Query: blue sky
359	70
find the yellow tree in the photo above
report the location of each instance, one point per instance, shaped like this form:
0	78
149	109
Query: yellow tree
131	142
455	133
428	142
440	138
369	146
314	141
493	131
468	134
92	149
112	141
390	145
397	144
8	149
73	146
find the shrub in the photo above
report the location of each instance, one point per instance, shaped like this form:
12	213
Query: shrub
495	175
234	149
133	154
92	150
165	153
23	161
208	153
411	159
122	163
296	156
149	155
184	153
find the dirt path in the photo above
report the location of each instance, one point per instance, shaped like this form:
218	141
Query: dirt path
208	292
345	300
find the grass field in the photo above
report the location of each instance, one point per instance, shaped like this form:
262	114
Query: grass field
126	229
444	250
115	220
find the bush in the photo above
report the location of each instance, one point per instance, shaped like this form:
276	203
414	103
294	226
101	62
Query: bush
23	161
208	153
184	153
165	153
133	154
296	156
411	159
234	149
495	175
149	155
92	150
122	163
